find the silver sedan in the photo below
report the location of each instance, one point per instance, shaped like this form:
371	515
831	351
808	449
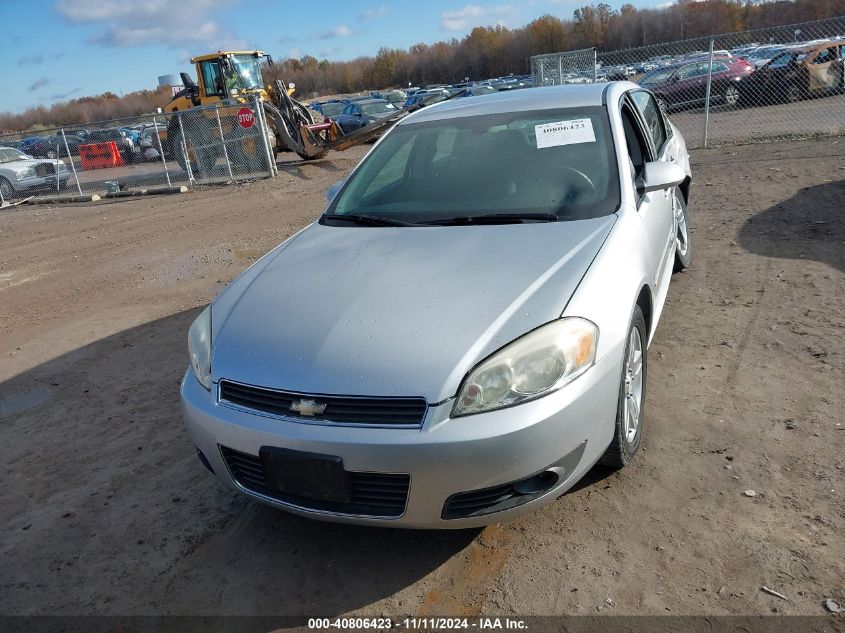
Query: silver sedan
463	333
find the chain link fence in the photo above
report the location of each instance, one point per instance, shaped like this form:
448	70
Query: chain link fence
753	86
213	144
572	67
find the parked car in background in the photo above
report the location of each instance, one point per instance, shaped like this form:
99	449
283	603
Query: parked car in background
685	84
464	333
425	97
798	73
20	173
474	91
396	97
54	146
360	113
329	109
127	147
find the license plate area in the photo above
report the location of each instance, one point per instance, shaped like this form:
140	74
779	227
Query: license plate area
308	475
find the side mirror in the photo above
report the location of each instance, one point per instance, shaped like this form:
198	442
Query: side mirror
658	176
331	192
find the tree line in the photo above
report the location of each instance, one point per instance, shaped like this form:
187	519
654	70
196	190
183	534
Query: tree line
485	52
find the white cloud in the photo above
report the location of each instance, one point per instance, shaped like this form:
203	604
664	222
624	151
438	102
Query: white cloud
476	15
295	53
371	14
338	31
151	22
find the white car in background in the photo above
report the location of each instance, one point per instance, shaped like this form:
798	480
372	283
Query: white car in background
21	173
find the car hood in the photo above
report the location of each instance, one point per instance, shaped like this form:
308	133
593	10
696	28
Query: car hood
395	311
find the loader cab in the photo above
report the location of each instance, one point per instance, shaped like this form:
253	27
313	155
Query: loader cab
227	74
221	75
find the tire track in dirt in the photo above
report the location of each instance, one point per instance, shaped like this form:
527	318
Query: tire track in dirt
463	581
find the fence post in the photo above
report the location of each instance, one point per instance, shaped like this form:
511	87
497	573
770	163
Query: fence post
595	66
58	160
560	70
161	152
263	125
184	147
223	141
707	93
72	166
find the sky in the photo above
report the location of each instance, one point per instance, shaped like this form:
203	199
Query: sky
55	50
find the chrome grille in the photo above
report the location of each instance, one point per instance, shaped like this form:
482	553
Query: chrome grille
404	412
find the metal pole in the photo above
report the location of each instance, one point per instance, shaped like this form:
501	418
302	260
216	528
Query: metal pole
161	152
560	70
72	166
262	122
57	166
223	141
184	147
707	94
595	66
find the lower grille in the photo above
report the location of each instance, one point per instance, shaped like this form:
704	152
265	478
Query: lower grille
45	169
373	494
403	412
487	501
475	503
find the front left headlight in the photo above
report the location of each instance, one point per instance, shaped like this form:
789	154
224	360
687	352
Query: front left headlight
29	172
542	361
199	347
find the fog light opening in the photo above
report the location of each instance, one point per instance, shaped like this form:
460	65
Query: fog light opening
538	483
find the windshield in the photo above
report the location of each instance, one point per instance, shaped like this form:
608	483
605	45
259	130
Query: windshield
331	109
8	155
551	161
377	107
659	76
242	72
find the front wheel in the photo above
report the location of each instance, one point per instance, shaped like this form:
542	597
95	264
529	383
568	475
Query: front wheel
627	432
6	189
683	244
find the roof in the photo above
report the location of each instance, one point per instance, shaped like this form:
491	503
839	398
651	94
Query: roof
199	58
545	98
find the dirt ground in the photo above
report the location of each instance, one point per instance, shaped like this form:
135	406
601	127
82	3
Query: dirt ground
104	508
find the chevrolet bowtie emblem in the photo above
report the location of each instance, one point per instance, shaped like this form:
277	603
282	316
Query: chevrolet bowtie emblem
307	408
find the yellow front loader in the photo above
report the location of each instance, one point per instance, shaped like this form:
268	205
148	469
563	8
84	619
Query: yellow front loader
233	79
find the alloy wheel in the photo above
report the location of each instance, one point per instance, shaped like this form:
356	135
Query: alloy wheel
633	386
682	233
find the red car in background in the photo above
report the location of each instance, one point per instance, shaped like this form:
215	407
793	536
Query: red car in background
685	83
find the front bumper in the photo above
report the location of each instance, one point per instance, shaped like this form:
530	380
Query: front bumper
40	182
443	458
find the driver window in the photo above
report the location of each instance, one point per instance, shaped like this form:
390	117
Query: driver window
652	115
827	55
212	78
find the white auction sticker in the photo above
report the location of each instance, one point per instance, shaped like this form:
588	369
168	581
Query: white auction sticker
565	133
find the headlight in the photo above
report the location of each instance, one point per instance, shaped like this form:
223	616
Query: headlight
534	365
29	172
199	347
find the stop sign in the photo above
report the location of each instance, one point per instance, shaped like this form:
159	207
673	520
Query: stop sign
246	118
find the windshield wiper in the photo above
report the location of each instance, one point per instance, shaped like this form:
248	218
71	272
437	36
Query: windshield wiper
366	220
496	218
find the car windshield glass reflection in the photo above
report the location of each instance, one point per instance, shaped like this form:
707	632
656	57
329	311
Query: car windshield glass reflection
377	108
558	164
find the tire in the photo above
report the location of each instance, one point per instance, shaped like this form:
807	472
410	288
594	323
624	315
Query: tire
6	189
731	96
51	153
683	243
627	432
793	93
